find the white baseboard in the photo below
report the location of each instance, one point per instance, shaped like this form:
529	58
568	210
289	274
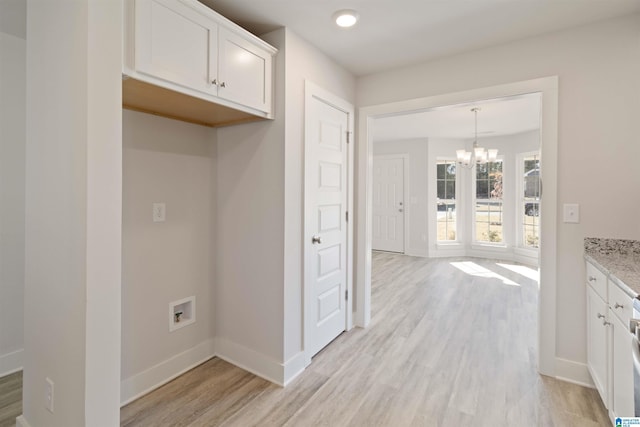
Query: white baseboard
573	372
293	367
252	361
22	422
11	362
140	384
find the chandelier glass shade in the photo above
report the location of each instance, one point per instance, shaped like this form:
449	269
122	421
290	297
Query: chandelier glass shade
477	155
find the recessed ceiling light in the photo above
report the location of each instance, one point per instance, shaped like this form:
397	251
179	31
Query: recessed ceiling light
346	18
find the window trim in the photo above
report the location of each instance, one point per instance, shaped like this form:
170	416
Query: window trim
473	241
457	240
519	247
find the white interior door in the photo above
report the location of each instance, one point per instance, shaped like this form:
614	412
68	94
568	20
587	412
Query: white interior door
326	231
388	203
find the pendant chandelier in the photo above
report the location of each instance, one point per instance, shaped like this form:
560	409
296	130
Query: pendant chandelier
477	155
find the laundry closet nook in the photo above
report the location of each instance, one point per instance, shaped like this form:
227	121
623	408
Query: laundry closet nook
187	70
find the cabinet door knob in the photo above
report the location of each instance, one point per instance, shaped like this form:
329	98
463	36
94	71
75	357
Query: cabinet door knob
214	82
223	84
618	306
316	240
592	279
605	323
600	316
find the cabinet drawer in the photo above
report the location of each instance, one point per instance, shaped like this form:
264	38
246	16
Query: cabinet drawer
621	303
597	280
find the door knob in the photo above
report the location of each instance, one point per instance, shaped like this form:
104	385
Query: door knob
400	210
400	203
316	240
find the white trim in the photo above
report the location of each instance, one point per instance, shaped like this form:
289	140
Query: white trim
519	248
314	91
250	360
433	200
548	87
481	244
11	362
293	367
150	379
22	422
573	372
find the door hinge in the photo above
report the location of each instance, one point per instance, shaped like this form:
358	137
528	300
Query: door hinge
348	137
346	295
346	216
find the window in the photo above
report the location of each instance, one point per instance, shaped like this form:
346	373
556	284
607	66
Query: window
530	200
446	203
488	203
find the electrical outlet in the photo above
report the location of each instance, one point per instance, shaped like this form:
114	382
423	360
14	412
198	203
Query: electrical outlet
159	212
48	395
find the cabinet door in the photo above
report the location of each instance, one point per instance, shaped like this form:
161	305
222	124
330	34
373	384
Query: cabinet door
597	347
175	43
244	71
621	369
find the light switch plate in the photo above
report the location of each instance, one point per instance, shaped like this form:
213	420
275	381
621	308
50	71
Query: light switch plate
571	213
159	212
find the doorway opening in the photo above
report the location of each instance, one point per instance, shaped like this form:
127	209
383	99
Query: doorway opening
547	88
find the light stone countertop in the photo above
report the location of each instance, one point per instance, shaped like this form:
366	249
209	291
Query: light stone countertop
617	258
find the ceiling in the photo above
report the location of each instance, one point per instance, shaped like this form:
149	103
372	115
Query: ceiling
394	33
497	117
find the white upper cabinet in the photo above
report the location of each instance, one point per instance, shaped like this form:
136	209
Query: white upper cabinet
244	71
192	54
175	43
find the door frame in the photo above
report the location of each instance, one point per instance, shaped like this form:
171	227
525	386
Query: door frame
548	87
405	193
311	92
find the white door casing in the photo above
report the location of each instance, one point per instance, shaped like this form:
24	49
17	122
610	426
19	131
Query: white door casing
548	87
388	204
327	241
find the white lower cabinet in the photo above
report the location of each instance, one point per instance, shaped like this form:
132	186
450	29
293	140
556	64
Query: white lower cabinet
609	341
622	404
597	342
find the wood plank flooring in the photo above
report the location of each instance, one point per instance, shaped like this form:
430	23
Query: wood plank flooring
451	342
10	399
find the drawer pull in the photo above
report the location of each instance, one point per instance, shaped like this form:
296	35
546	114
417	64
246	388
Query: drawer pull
618	306
592	278
605	323
600	316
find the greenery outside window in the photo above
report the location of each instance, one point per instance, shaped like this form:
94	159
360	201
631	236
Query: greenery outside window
446	202
530	220
488	212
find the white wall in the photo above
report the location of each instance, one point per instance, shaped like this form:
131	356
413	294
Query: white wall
171	162
259	223
599	94
73	212
250	230
416	204
12	189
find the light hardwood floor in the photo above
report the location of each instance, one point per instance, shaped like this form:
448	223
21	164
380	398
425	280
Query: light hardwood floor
445	348
10	399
